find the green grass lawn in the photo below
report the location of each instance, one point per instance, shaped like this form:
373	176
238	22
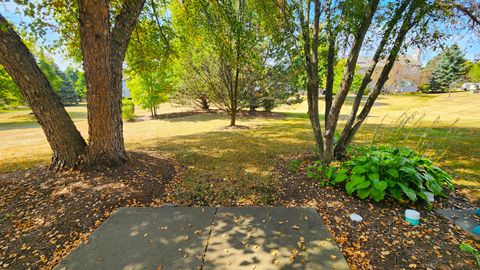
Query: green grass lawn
235	166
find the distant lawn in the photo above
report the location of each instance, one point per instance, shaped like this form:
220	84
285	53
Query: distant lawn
235	166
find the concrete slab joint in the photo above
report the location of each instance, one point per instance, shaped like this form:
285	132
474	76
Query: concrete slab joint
209	238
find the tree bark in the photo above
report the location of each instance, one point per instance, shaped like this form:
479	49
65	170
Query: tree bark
333	114
65	140
330	61
407	24
341	146
310	48
103	55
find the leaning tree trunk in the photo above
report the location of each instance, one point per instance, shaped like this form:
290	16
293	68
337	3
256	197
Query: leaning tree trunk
347	79
406	26
103	55
341	146
65	140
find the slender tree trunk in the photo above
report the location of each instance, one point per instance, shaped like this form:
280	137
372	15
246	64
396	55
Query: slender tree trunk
406	26
341	146
333	114
234	105
204	102
65	141
330	61
103	55
310	48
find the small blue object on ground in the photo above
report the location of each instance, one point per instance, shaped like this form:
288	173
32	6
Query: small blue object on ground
478	212
476	230
412	216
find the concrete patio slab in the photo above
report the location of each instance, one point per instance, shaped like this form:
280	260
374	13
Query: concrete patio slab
271	238
464	218
208	238
145	238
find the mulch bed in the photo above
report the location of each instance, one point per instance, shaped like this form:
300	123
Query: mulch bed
44	215
382	240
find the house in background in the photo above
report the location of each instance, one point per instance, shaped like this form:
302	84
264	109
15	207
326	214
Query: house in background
404	76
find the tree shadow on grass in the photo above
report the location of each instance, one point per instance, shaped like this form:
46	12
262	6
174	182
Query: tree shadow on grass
232	167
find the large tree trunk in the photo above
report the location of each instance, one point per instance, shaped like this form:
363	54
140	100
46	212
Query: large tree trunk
406	26
66	142
341	146
103	55
105	139
347	79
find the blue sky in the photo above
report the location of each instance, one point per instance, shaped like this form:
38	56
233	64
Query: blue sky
469	42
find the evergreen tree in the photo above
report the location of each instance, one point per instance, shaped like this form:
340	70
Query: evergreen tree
66	91
450	67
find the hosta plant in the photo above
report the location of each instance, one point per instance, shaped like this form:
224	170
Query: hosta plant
376	172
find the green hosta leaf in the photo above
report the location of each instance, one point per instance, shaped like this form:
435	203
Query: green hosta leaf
350	187
395	193
380	185
434	187
376	195
310	174
330	172
363	185
408	191
359	169
341	176
357	179
374	177
410	170
393	172
391	183
363	193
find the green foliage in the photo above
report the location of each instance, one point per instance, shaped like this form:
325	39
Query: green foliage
9	92
473	74
228	54
424	88
150	89
149	59
293	165
338	74
128	109
376	172
48	68
450	67
468	248
78	80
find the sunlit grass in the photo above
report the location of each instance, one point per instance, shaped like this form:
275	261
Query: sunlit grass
232	166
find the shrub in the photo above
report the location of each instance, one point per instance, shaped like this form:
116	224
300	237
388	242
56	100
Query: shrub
268	104
293	165
128	109
376	172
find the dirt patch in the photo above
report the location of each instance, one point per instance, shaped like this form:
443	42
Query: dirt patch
236	127
382	240
44	215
